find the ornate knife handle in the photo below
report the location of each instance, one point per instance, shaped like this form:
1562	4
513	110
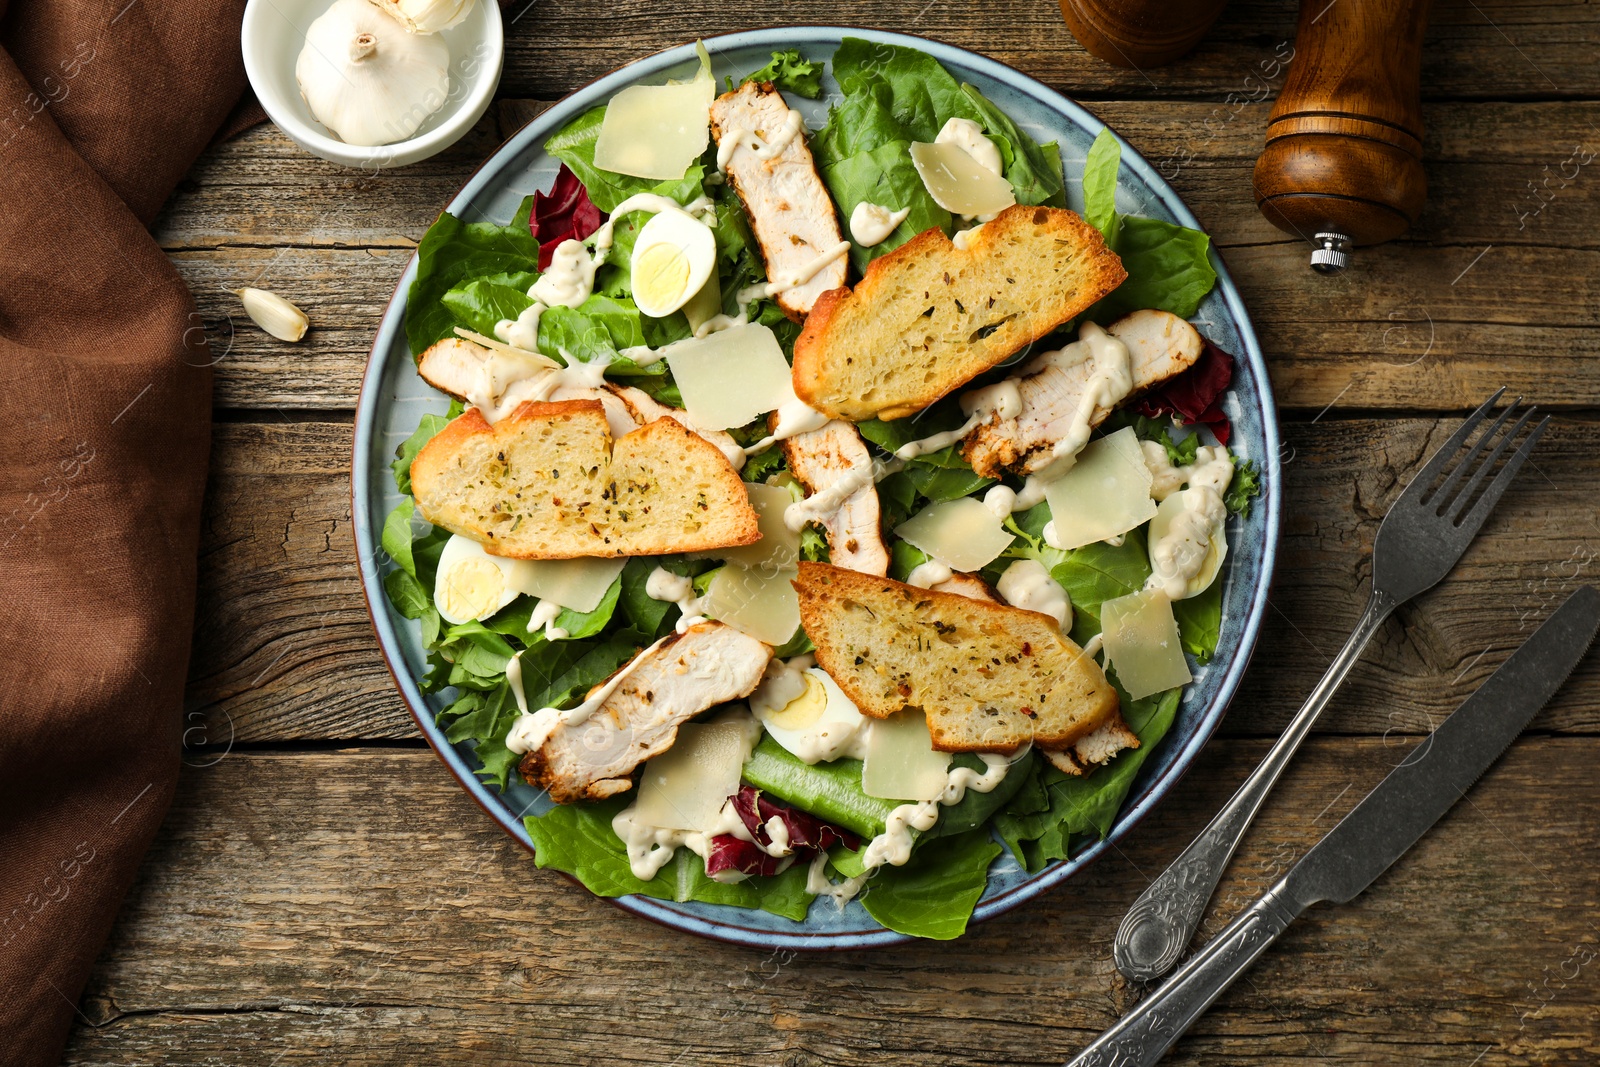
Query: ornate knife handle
1161	923
1145	1034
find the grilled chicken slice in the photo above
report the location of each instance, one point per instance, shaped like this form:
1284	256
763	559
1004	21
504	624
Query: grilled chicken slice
825	461
645	409
1160	345
1093	749
707	665
967	585
790	212
496	381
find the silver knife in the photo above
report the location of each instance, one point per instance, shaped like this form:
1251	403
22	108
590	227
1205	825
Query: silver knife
1403	807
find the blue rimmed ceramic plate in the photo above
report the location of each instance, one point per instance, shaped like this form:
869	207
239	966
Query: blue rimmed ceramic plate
393	399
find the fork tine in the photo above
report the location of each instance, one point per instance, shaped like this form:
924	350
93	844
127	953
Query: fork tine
1445	497
1457	505
1480	511
1441	459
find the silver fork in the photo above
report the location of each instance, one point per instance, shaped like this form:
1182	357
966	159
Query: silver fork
1421	539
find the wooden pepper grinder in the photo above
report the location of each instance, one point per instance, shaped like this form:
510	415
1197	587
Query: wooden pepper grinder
1343	160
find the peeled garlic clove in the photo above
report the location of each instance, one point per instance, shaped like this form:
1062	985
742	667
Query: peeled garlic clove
368	79
273	313
427	16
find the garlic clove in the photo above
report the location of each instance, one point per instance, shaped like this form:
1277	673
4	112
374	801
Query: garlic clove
273	313
367	78
427	16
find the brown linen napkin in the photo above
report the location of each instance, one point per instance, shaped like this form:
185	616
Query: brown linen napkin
104	435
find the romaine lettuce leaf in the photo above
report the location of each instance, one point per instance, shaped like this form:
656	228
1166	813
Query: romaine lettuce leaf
578	839
1168	265
893	96
933	895
453	251
1086	804
1200	621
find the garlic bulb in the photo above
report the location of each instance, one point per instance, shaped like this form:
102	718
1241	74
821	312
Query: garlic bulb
428	16
366	78
273	313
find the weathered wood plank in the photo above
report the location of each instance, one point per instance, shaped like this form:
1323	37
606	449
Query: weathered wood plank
284	649
1506	49
354	904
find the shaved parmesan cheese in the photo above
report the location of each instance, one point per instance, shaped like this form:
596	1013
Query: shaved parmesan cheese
579	584
962	533
756	601
657	131
957	182
1141	643
729	377
1104	494
779	546
685	787
901	763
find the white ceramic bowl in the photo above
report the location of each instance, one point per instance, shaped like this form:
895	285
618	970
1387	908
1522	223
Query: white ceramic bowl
275	31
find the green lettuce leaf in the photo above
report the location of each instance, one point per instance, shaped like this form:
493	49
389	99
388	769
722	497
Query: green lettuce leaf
1246	486
1168	265
453	251
482	302
791	72
933	895
425	431
1200	622
1086	804
574	145
578	839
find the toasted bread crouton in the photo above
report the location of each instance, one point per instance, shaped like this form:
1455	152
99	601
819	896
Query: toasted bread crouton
928	317
547	482
989	678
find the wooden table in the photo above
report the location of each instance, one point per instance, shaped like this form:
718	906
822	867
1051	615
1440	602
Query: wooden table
324	893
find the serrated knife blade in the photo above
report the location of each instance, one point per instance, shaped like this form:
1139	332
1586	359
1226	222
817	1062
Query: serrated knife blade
1351	856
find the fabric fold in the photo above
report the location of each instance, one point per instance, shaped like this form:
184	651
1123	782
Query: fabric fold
103	451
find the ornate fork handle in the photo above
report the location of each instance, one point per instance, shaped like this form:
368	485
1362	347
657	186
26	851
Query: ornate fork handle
1159	926
1145	1034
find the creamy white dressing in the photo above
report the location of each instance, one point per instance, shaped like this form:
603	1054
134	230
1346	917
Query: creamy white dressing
1027	584
802	274
651	847
532	730
929	574
1001	500
1002	398
544	617
736	137
1094	645
795	417
818	506
893	846
963	238
1179	555
676	589
783	682
841	893
969	137
871	224
1109	384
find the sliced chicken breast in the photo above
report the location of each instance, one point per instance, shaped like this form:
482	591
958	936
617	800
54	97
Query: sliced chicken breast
1160	345
967	585
707	665
825	461
496	381
1094	748
645	409
791	214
